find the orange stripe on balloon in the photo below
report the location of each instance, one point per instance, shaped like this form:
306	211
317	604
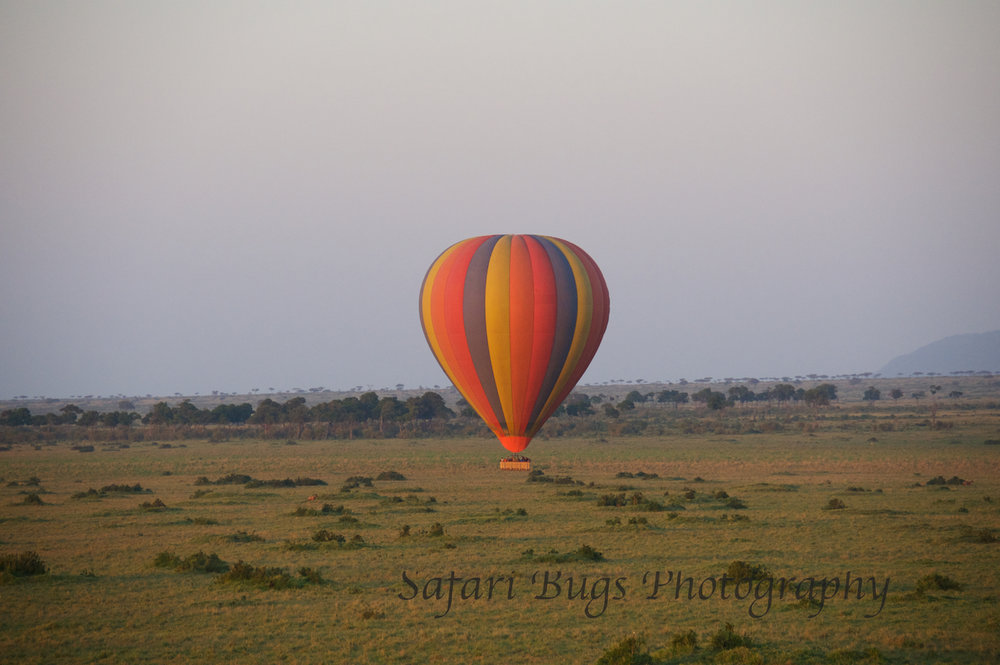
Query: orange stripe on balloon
428	318
522	324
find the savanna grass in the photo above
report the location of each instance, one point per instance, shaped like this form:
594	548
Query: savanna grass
336	603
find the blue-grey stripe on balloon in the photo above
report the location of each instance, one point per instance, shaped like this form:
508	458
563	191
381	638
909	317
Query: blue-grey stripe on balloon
474	312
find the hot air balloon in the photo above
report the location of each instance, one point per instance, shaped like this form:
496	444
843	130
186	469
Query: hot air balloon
514	321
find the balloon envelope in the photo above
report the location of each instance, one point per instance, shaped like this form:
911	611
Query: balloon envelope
514	321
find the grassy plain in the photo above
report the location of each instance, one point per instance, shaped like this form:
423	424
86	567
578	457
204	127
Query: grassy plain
104	601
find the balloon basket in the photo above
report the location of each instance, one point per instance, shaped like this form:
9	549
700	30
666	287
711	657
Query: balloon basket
515	463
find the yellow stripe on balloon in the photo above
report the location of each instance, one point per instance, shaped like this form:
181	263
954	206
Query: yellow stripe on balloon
498	323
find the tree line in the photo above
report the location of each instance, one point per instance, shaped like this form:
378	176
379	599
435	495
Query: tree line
365	408
369	407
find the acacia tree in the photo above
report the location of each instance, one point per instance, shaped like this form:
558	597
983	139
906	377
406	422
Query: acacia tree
873	394
783	392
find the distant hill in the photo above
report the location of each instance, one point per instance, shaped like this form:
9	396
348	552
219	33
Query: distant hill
958	353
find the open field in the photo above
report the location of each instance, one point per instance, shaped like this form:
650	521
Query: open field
104	601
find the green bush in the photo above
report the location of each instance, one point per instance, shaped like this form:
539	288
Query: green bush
32	499
973	535
310	575
244	537
727	638
231	479
936	582
741	570
326	509
390	475
324	536
684	642
739	656
193	563
268	577
582	553
123	489
629	651
22	564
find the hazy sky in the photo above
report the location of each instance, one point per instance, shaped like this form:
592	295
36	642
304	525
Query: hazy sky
200	196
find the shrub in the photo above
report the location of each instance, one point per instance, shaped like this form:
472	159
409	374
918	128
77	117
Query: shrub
582	553
739	656
684	642
835	504
324	536
193	563
286	482
123	489
22	564
629	651
268	577
611	500
310	575
983	535
939	480
742	570
726	638
230	479
936	582
326	509
153	506
354	482
244	537
203	563
166	560
32	499
307	482
735	504
262	576
390	475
